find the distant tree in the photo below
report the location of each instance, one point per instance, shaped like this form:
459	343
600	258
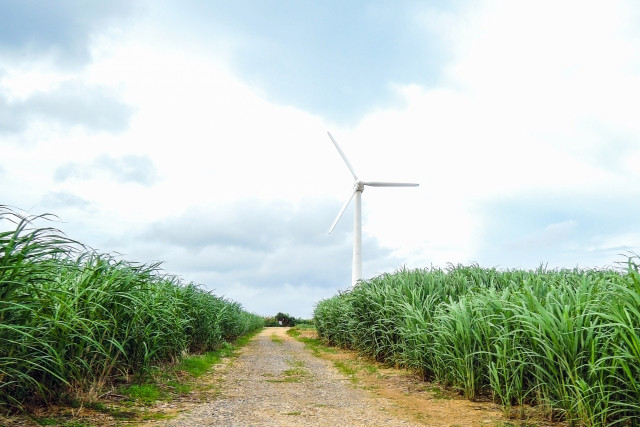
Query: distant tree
284	319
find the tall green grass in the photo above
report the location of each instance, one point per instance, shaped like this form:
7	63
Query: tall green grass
567	341
71	318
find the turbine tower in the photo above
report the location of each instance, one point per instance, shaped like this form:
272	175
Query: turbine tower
358	188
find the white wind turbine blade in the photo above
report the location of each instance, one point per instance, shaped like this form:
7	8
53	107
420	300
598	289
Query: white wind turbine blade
344	208
391	184
353	172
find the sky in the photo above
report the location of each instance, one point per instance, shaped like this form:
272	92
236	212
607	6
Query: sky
195	133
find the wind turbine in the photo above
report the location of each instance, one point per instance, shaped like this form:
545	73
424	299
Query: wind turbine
358	188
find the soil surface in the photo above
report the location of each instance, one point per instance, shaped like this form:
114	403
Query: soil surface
277	382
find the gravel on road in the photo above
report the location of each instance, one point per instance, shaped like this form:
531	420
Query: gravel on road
276	382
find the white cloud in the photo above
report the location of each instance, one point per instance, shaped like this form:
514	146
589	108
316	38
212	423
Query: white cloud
532	118
533	99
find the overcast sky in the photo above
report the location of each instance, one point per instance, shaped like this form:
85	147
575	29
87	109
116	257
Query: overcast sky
194	133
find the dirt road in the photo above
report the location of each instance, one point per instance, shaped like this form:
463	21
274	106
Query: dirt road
277	382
